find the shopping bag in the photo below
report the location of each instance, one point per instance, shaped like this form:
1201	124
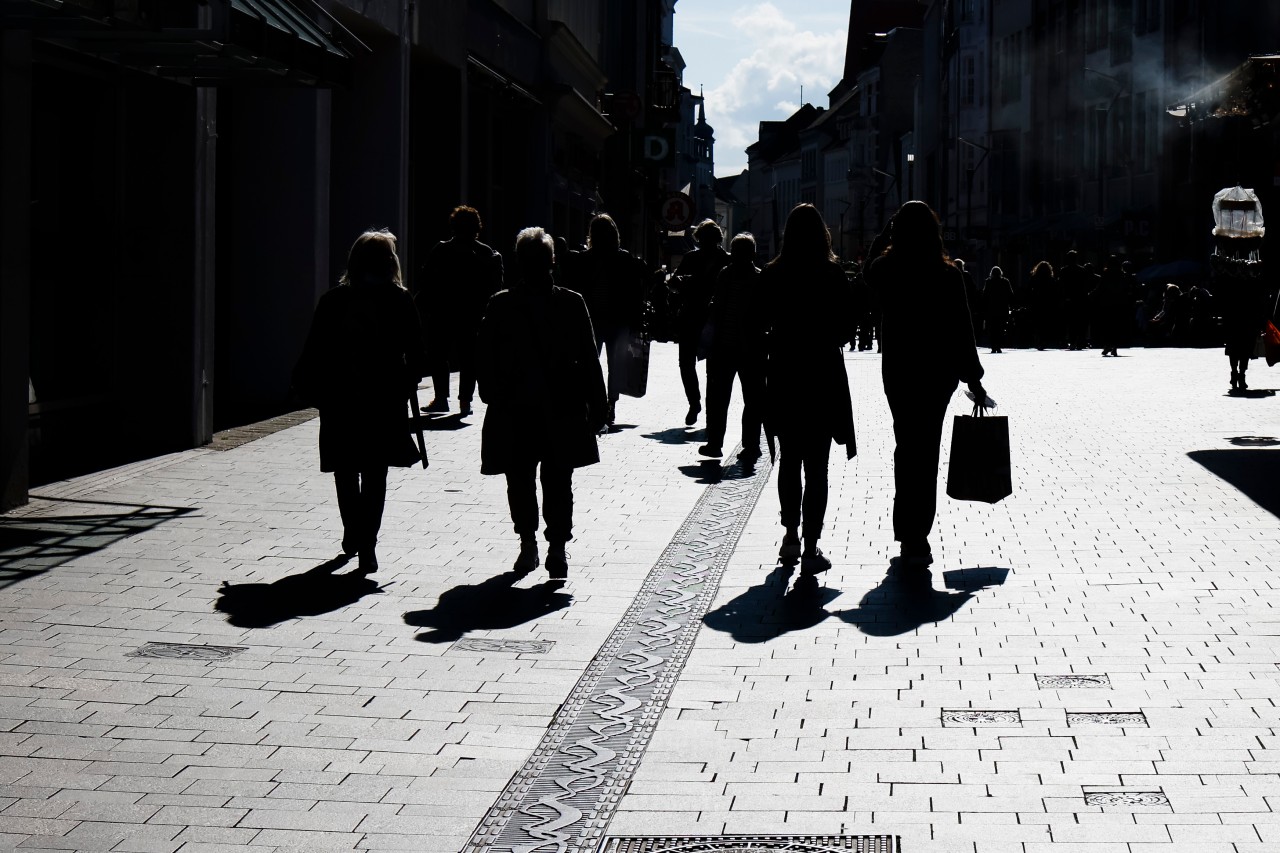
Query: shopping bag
1270	343
979	468
631	354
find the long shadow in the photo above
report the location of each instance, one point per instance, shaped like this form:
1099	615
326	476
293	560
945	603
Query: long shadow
491	605
677	435
311	593
905	600
1254	441
617	428
769	610
33	545
441	423
1254	472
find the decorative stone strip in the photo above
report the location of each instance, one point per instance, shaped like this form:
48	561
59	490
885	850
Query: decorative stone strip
1071	682
744	843
564	797
1108	718
235	437
1126	798
971	717
185	651
511	647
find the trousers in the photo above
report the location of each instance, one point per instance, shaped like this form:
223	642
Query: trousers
557	499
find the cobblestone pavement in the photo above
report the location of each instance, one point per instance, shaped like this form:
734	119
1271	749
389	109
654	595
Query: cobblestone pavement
1092	664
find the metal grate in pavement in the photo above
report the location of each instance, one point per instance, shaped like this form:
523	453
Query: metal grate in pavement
1126	798
752	843
563	798
972	717
511	647
1071	682
185	651
1106	718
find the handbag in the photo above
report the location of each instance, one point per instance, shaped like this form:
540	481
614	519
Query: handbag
1270	339
631	353
979	467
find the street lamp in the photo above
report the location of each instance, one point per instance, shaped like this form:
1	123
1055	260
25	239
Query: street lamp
911	185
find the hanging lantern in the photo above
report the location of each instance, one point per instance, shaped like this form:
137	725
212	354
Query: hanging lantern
1237	213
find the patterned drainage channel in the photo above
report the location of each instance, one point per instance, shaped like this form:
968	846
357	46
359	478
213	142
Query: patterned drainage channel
185	651
564	797
744	843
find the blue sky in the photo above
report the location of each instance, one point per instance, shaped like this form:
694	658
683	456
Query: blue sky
753	57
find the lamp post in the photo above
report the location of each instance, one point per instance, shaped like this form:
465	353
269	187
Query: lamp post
911	184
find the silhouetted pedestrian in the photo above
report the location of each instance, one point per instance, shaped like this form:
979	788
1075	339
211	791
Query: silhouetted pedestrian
1077	284
697	277
974	295
453	285
920	289
612	282
1046	305
362	360
737	349
807	402
540	375
997	296
1112	306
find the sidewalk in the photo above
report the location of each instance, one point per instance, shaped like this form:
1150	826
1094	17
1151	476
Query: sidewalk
338	712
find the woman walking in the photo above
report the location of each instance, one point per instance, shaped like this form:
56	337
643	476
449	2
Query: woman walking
540	375
920	289
363	358
997	296
807	402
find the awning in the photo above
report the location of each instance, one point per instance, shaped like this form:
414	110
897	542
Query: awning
210	43
1250	91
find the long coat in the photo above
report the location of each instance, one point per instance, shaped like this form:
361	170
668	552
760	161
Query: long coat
362	358
928	332
697	276
452	288
540	376
810	320
612	283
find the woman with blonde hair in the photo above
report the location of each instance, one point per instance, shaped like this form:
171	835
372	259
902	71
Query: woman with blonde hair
363	358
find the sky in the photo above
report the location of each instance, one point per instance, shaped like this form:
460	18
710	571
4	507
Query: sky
752	58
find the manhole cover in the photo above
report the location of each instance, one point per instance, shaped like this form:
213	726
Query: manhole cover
513	647
732	843
1106	718
1126	798
971	717
1056	682
185	651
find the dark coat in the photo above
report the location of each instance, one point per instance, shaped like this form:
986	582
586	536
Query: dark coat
612	283
738	311
928	332
362	359
539	372
451	289
809	321
697	277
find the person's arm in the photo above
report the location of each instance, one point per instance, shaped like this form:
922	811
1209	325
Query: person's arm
966	347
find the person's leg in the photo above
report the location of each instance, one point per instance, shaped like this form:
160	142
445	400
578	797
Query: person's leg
720	370
817	455
917	427
557	508
522	498
347	484
751	376
688	356
466	371
790	492
373	498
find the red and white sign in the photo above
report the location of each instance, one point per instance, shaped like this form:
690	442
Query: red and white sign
676	212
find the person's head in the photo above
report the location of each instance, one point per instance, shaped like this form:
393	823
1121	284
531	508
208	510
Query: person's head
373	259
805	238
708	234
742	248
464	221
996	273
535	253
959	263
916	233
1073	257
1044	268
603	233
1172	289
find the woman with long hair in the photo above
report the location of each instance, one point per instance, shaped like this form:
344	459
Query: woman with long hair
920	292
363	358
807	402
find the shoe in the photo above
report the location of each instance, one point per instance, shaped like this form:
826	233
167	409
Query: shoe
709	450
1244	386
917	553
691	418
368	561
528	559
790	547
612	414
464	407
437	405
996	350
813	563
557	561
349	546
1235	383
749	454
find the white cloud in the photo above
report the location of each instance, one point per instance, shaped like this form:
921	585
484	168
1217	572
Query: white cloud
776	57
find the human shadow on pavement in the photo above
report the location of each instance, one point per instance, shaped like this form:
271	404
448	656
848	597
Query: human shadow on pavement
711	471
444	423
491	605
769	610
905	600
1254	441
311	593
1252	393
676	435
615	428
34	544
1256	473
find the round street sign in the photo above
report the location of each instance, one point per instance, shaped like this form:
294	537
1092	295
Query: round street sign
676	212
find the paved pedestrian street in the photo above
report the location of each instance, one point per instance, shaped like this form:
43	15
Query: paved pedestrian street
1091	664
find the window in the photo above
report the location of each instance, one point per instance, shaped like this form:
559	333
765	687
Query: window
968	82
